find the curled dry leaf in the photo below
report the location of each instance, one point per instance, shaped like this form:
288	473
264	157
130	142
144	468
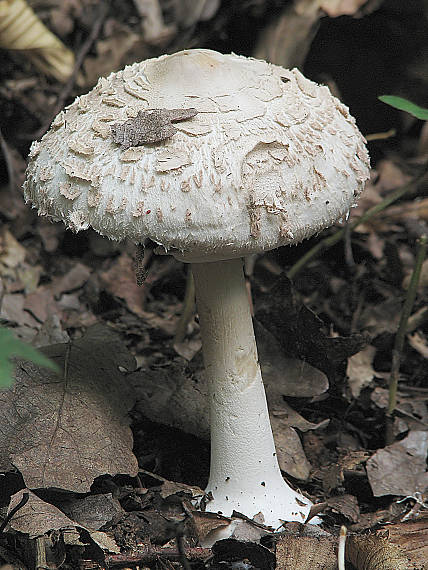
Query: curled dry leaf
63	431
374	553
151	126
37	518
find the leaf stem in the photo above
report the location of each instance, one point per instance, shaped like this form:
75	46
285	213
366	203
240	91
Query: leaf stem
402	326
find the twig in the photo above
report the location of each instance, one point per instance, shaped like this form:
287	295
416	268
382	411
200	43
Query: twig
402	326
341	549
9	162
371	212
154	553
86	46
381	136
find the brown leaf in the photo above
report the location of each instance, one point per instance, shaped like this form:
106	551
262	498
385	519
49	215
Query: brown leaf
346	505
73	279
41	303
286	376
400	468
151	126
12	253
360	370
208	523
306	553
93	511
120	282
300	332
412	537
289	449
36	517
374	553
12	310
63	431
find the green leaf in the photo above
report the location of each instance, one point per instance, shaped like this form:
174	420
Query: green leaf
11	346
405	105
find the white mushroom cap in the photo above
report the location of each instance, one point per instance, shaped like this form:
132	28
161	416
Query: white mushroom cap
269	159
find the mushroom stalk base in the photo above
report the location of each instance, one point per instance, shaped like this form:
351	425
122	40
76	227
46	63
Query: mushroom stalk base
244	472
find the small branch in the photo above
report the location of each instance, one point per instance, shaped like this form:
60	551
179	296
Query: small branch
402	326
371	212
153	554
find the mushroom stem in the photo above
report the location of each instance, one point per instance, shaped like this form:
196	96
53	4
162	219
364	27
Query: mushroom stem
244	472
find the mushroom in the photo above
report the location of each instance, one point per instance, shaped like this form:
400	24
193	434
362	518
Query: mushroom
213	157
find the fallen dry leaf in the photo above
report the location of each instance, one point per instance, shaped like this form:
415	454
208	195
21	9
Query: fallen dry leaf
12	253
360	370
306	553
412	537
63	431
289	450
374	553
346	505
12	310
93	511
120	282
73	279
36	517
400	468
286	376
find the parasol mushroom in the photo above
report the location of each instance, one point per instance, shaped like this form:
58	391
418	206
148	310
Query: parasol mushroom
213	157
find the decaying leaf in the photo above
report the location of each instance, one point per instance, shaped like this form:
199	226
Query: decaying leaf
63	431
400	468
360	371
306	553
300	332
93	511
411	536
151	126
290	453
119	280
36	517
286	376
374	553
346	505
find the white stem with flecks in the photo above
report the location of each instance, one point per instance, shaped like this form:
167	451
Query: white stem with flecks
244	472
